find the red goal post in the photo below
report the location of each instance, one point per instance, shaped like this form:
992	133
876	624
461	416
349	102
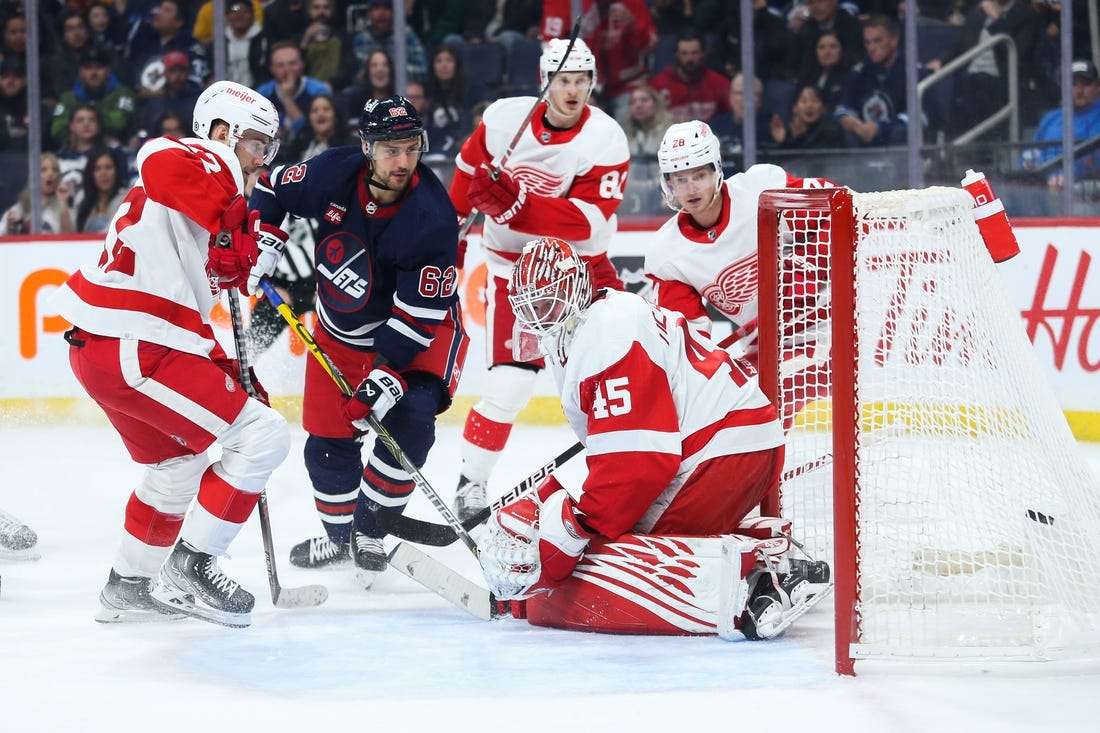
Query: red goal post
927	457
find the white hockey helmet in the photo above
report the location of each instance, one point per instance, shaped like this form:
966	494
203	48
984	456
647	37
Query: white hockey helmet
688	145
550	287
580	59
240	108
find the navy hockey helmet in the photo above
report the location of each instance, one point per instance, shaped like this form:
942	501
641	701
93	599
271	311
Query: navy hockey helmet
392	118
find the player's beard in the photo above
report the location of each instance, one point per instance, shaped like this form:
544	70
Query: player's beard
387	183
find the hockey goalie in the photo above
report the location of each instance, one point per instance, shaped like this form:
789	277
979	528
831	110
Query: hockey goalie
682	446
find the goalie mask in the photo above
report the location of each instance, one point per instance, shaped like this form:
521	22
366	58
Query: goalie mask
687	146
390	119
240	108
550	287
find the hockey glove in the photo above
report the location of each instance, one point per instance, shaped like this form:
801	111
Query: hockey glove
271	242
531	546
501	199
234	251
232	367
376	394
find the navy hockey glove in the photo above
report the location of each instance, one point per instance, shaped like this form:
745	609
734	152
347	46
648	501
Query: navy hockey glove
376	394
501	199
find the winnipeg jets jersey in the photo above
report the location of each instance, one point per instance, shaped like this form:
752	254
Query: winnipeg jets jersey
577	177
691	266
652	399
151	281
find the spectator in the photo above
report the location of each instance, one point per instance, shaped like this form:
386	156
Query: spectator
247	45
62	65
691	90
511	21
325	128
170	124
1086	124
375	81
177	95
14	42
289	89
872	107
775	52
826	67
981	88
729	126
203	30
85	133
822	16
57	217
647	121
326	49
435	20
14	119
379	35
99	22
284	20
447	84
446	125
97	86
166	30
624	34
811	125
106	181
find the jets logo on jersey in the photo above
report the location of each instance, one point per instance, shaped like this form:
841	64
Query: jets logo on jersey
343	272
335	213
734	287
539	181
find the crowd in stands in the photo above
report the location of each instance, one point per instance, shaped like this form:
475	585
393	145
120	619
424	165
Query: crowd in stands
829	73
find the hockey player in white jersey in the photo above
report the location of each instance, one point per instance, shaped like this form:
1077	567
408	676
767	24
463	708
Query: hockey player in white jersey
143	348
681	446
706	253
565	176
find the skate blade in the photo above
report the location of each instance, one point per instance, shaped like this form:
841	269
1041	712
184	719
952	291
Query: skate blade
795	613
366	578
170	603
135	616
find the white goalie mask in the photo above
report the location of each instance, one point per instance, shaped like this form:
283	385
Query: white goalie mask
550	287
686	146
240	108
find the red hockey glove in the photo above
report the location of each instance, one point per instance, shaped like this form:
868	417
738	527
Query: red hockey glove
234	252
376	394
530	547
271	241
232	367
501	200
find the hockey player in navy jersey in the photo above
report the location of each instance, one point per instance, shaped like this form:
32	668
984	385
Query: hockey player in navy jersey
387	314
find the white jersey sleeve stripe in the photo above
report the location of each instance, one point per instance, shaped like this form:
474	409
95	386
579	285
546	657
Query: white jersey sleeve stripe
631	441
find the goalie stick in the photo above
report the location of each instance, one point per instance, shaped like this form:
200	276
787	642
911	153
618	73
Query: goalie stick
442	580
281	597
440	535
495	171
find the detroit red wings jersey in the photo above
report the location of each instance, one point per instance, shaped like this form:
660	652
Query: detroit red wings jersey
151	282
577	177
652	399
689	265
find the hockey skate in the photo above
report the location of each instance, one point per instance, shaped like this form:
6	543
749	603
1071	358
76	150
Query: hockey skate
777	600
191	583
127	600
470	498
370	558
319	552
17	540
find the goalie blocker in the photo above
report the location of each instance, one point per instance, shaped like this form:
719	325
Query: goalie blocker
752	584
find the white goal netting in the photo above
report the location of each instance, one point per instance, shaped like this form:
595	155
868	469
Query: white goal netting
977	523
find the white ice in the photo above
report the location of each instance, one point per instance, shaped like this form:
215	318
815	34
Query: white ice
397	658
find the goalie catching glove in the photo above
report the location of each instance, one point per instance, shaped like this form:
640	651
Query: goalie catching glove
501	199
376	394
533	543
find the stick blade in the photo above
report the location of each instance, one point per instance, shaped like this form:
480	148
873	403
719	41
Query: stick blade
307	596
441	580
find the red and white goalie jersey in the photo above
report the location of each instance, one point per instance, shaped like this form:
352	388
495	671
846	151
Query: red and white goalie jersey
151	282
652	400
690	266
577	175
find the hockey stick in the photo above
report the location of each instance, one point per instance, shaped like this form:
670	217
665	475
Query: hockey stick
440	535
494	172
281	597
379	430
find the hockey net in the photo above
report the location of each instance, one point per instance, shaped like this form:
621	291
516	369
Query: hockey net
926	454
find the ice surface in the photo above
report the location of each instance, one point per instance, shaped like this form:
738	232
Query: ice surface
397	658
